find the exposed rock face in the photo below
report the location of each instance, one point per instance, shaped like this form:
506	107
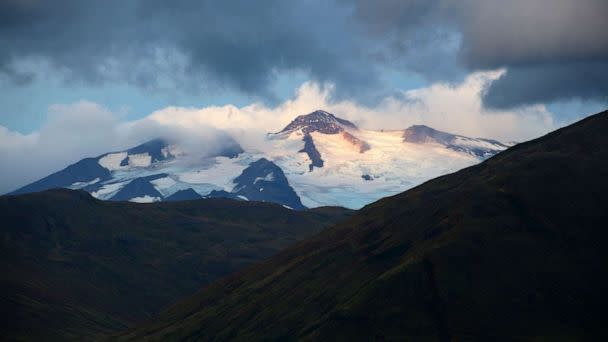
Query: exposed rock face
362	145
263	180
311	150
156	148
319	121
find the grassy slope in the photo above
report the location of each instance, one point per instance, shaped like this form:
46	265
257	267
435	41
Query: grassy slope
513	248
73	267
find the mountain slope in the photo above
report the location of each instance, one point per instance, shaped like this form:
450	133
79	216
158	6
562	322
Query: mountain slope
264	180
478	147
318	121
328	160
85	171
72	266
510	249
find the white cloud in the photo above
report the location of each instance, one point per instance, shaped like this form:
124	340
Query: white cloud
84	129
453	108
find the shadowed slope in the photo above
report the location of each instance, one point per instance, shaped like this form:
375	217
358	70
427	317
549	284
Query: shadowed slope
72	266
512	248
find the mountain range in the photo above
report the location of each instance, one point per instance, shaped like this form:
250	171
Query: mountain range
510	249
316	160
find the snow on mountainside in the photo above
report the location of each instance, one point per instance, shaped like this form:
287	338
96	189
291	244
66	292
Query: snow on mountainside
262	180
303	126
317	159
318	121
476	146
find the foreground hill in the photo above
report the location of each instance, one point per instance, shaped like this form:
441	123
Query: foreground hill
317	160
513	248
72	266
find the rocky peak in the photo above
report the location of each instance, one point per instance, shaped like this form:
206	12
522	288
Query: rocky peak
478	147
425	134
319	121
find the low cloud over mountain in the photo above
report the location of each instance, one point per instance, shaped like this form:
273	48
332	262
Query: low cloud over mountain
88	129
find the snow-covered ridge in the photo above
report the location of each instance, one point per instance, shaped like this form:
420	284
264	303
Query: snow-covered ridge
478	147
318	159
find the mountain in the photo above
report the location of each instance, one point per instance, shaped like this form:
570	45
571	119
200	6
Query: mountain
140	190
72	266
325	161
262	180
420	134
328	160
80	173
318	121
509	249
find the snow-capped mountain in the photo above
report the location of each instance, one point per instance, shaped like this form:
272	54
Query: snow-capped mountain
420	134
318	121
262	180
317	159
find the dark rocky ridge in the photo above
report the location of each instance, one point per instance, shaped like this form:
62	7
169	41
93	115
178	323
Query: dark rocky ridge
183	195
154	148
139	187
263	180
85	170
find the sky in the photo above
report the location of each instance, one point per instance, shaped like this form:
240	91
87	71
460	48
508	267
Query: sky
80	78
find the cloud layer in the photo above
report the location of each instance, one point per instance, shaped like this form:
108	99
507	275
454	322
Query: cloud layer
82	129
551	50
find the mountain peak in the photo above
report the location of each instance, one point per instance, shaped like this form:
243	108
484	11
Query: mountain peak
156	148
319	121
478	147
424	134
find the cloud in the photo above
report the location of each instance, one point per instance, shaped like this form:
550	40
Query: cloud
549	48
202	46
530	84
208	47
73	131
552	49
86	129
453	108
499	33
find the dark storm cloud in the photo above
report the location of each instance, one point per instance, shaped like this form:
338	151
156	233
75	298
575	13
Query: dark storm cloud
238	44
548	83
551	49
548	47
244	43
